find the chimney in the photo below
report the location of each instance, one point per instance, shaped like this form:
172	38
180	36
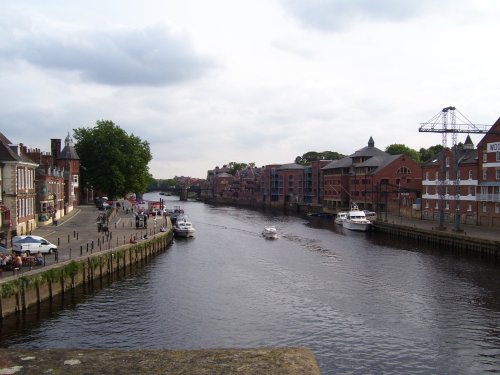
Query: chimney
55	147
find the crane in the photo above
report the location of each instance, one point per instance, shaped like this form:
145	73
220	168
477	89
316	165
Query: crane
445	122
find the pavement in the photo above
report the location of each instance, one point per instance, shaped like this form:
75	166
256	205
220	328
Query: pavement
77	233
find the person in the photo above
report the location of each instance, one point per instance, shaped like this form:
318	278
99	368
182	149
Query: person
18	261
39	259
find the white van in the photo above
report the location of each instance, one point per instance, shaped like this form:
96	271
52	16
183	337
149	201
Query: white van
32	245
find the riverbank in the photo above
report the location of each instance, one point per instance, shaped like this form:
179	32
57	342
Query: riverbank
470	239
84	254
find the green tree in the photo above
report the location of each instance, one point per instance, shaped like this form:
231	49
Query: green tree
113	161
234	167
427	153
398	148
311	156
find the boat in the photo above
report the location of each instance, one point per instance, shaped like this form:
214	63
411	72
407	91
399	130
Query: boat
340	218
183	227
270	232
175	213
370	215
356	220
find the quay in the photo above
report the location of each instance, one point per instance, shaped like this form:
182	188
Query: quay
471	239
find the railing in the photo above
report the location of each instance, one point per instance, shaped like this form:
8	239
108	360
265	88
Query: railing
488	197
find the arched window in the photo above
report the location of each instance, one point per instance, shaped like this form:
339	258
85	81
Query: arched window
403	171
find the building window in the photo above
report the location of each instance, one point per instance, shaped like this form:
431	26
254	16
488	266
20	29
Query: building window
436	176
497	174
485	209
469	190
485	174
497	207
447	161
485	157
427	175
470	174
498	156
447	205
426	203
469	207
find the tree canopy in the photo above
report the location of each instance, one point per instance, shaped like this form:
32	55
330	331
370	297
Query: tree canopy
398	148
112	161
311	156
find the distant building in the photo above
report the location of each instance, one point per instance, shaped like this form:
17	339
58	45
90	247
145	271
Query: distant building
449	185
18	192
374	180
488	196
68	159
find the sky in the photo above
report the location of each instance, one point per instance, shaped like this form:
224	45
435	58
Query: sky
206	83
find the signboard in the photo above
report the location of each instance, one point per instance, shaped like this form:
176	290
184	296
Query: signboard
493	147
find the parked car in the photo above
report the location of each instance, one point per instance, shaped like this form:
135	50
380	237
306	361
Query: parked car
32	245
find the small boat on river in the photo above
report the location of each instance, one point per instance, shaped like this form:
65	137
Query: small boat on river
356	220
270	232
183	227
341	217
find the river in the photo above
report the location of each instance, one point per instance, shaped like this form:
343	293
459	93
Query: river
362	302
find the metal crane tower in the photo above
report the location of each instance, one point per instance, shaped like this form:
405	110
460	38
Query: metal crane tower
445	122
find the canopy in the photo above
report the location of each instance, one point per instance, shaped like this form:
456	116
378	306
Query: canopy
29	239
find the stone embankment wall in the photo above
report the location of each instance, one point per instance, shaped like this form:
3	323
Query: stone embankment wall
451	241
20	292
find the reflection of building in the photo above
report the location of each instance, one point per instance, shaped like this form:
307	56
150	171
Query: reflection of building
18	188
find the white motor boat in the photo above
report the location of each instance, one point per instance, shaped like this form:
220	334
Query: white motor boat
341	217
270	232
356	220
183	227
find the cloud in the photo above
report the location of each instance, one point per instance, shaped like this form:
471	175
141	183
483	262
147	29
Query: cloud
336	15
152	56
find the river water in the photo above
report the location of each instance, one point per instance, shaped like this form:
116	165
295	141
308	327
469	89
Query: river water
362	302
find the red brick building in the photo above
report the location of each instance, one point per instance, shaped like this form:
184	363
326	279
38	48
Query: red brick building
374	179
449	185
488	193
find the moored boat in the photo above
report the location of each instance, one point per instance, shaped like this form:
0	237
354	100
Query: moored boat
340	218
356	220
183	227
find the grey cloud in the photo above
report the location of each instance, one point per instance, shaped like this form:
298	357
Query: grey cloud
335	15
153	56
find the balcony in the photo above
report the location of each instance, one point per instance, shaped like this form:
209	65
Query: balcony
488	197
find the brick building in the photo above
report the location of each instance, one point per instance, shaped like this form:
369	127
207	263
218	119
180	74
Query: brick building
374	179
449	185
488	194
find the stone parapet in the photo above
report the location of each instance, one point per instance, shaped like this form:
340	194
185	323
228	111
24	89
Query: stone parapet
279	361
